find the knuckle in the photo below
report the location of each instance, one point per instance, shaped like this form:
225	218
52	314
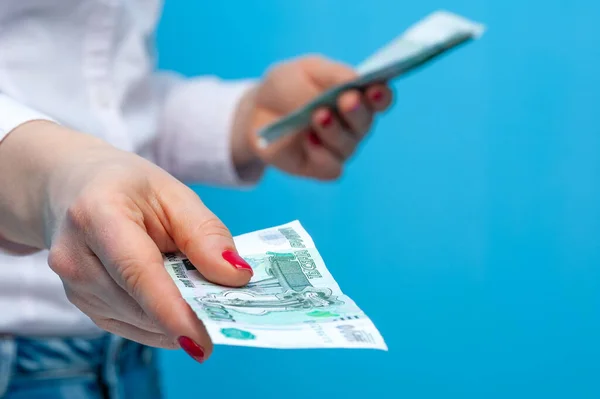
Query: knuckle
332	173
312	59
336	174
278	70
346	143
77	214
147	321
97	209
130	275
214	227
161	309
347	153
166	342
325	169
110	325
57	258
61	261
271	70
208	228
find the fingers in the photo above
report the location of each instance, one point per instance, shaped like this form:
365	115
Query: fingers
134	333
135	263
357	109
341	134
379	97
113	303
335	137
355	113
204	239
90	288
321	162
342	131
133	260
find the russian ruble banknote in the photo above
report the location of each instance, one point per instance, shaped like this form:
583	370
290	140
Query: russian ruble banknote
420	44
292	300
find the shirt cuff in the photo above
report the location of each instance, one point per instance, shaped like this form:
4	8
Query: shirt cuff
13	114
195	139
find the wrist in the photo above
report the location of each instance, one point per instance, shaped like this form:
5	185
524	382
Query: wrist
243	147
29	158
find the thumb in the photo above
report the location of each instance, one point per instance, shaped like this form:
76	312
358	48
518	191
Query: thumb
326	73
134	261
204	239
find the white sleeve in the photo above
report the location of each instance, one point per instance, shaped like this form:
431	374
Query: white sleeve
194	139
13	114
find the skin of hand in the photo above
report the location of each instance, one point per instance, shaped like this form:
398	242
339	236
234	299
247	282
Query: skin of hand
106	215
320	150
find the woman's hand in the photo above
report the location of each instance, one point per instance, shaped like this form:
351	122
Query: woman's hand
106	216
320	150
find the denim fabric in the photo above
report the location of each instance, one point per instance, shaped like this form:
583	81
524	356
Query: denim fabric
106	367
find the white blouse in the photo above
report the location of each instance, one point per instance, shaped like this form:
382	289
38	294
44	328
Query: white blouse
89	65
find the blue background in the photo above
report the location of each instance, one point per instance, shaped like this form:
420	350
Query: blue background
468	226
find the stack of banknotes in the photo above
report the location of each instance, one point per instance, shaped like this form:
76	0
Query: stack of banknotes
420	44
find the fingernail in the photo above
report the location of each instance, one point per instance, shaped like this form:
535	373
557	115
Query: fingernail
326	119
195	351
314	139
236	261
377	96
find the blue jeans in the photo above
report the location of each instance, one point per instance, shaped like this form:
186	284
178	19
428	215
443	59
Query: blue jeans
107	367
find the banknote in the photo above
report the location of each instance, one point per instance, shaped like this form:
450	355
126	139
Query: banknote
425	41
292	301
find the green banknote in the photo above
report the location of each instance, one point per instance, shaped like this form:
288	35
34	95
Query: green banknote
292	300
421	43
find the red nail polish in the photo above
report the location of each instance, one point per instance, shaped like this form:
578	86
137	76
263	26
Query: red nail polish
236	260
191	348
377	96
314	139
326	120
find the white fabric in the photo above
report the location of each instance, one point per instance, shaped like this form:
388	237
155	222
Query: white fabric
13	114
88	65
